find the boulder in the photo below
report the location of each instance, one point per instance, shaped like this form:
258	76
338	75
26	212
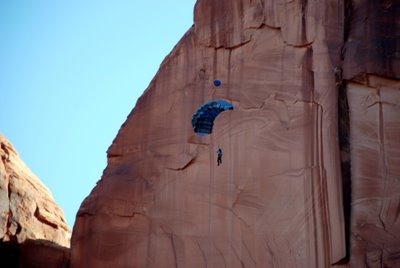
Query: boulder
28	211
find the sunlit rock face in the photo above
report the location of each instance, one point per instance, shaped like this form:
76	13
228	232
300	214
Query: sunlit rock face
29	216
309	175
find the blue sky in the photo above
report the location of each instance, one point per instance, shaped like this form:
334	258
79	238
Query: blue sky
70	73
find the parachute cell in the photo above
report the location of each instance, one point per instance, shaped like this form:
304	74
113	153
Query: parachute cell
203	118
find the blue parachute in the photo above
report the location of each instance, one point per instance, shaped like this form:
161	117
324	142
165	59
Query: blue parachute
203	118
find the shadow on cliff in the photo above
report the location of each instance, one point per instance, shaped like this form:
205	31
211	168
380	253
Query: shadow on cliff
33	254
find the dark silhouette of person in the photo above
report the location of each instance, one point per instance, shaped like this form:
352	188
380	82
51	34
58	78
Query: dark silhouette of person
219	153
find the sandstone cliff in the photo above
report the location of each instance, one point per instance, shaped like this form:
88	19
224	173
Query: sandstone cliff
310	173
28	213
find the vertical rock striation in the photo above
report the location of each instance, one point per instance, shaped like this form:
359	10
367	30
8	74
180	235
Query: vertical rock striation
277	199
375	158
371	71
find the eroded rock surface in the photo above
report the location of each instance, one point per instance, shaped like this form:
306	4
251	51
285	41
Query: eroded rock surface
284	195
375	156
27	208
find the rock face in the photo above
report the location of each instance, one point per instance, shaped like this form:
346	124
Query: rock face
375	161
28	212
310	173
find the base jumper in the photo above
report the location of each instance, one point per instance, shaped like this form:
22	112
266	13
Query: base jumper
219	153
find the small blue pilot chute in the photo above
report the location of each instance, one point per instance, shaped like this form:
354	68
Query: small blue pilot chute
203	118
217	83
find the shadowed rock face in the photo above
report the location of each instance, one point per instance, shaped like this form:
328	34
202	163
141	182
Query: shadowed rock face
28	215
33	254
299	185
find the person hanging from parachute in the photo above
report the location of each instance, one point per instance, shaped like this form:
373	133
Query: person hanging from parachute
219	154
203	118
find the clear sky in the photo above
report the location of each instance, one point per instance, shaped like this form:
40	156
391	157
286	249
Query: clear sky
70	73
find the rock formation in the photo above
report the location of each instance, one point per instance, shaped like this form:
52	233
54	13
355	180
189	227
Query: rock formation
310	173
28	213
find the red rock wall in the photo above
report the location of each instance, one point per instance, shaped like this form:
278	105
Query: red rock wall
375	158
371	68
43	254
33	230
27	208
277	199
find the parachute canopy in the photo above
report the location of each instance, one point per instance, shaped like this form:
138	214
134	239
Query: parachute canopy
203	118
